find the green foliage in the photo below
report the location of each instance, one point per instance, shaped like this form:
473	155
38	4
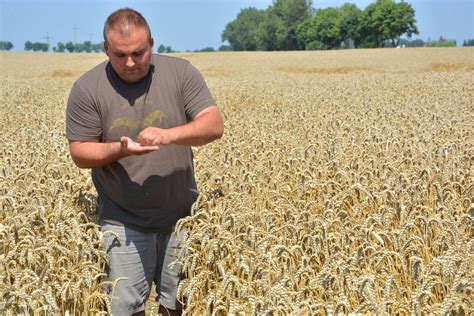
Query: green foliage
164	49
385	21
325	28
293	24
5	45
241	33
205	50
36	46
290	13
349	20
469	42
225	48
442	42
60	48
271	33
315	45
414	43
272	29
85	47
161	49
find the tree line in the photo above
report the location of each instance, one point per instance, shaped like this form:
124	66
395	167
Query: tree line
295	25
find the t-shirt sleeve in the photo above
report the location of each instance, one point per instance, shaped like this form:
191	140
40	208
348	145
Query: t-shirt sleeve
196	94
82	117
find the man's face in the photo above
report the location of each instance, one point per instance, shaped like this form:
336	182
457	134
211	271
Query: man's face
129	54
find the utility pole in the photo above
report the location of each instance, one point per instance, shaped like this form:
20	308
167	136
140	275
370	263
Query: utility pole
75	34
48	38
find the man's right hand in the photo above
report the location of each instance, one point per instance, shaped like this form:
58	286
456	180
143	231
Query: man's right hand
130	147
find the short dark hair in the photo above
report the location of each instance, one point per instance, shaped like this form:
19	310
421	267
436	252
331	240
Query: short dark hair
125	16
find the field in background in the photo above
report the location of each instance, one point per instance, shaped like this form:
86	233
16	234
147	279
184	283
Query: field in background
343	183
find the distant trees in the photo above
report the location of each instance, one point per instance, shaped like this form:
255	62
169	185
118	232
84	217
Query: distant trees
85	47
442	42
205	49
469	42
323	31
36	46
164	49
411	43
5	45
278	29
294	24
242	32
225	48
273	29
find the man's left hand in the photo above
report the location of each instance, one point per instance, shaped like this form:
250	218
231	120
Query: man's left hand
155	136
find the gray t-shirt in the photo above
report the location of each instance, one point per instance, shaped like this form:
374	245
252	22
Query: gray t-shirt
151	191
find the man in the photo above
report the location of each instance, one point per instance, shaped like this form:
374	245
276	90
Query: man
132	119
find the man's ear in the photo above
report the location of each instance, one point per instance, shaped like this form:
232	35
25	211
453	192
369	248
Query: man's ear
152	42
106	48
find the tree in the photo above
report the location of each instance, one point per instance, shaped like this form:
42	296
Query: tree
161	49
28	45
241	33
87	46
83	47
36	46
323	31
414	43
70	47
350	16
97	48
442	42
225	48
271	33
5	45
385	21
60	48
469	42
206	49
169	49
290	13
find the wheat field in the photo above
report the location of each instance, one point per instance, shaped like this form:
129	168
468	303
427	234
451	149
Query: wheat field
343	184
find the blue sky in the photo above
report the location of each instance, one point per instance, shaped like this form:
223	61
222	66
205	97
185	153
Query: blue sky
191	24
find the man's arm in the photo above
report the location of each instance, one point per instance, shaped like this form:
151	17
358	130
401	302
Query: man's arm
91	154
206	127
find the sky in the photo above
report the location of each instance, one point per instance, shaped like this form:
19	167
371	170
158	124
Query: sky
191	24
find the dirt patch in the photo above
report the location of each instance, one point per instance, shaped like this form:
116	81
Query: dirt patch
452	67
323	71
62	73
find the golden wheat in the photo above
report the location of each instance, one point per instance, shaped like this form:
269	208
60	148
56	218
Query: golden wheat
343	184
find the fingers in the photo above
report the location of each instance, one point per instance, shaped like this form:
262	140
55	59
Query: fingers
151	136
145	137
133	148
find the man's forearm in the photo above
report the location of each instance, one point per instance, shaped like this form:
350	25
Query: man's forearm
91	154
95	154
206	127
199	132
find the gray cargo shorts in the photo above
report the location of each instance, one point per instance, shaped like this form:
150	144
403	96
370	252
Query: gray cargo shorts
141	258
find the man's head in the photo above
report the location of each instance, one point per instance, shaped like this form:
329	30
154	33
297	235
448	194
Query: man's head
128	44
